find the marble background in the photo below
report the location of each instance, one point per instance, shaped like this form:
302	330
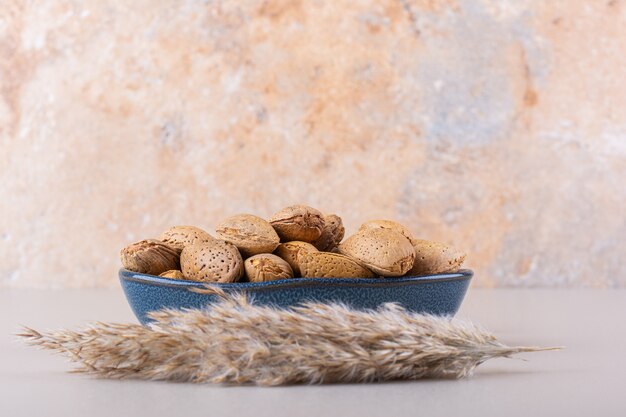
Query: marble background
498	126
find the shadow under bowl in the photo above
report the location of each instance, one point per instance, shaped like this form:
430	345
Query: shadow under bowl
440	294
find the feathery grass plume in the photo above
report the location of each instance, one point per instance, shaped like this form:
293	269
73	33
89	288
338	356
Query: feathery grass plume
237	342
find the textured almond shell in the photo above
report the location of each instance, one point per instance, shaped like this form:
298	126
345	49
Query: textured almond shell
435	258
150	256
172	274
181	236
291	251
298	222
389	224
331	265
266	267
332	234
384	251
251	234
215	261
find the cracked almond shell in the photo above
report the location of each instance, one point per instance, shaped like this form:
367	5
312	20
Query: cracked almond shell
251	234
181	236
172	274
383	251
435	258
331	265
266	267
389	224
298	222
290	252
215	261
332	234
150	256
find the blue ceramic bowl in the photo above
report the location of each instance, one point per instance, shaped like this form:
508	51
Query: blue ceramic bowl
435	294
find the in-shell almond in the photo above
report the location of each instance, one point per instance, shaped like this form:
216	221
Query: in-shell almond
435	258
181	236
172	274
290	252
298	222
215	261
389	224
251	234
331	265
266	267
332	234
384	251
150	256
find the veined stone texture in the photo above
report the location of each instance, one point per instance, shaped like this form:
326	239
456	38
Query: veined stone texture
496	125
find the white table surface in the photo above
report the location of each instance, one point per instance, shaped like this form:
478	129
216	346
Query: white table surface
588	378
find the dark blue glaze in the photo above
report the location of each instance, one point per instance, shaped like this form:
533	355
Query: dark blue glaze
435	294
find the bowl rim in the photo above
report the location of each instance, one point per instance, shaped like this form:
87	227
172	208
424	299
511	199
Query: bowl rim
461	275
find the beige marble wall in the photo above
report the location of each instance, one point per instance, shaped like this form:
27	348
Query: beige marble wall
499	126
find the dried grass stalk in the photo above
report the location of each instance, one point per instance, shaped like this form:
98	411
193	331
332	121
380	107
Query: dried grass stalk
237	342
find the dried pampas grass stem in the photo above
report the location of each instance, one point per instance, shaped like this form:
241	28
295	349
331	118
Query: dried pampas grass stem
237	342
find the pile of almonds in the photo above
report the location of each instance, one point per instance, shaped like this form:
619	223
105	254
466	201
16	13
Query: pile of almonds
297	241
